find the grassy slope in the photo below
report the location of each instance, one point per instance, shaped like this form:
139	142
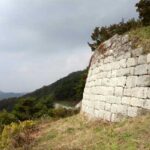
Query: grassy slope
141	37
76	133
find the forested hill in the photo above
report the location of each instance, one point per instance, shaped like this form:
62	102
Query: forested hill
69	88
4	95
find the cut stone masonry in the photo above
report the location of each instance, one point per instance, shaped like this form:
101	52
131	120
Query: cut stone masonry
118	82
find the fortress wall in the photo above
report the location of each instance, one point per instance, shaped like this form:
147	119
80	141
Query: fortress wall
118	82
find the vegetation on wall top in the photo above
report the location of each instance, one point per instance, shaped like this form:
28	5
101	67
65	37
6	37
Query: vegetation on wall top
104	33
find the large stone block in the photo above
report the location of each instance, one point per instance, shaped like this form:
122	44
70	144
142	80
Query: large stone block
108	107
115	65
96	104
127	55
137	102
106	82
107	67
113	81
102	75
101	105
148	58
142	59
137	52
147	104
106	90
126	100
143	80
93	71
114	108
148	66
148	93
131	81
123	72
99	114
139	92
94	90
132	62
109	82
109	74
118	91
127	92
122	63
98	82
114	73
141	69
122	109
109	59
113	99
100	98
132	70
120	57
132	111
121	81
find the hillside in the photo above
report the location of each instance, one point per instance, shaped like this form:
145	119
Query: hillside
5	95
67	90
8	104
76	133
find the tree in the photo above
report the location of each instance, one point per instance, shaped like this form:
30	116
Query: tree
24	109
6	118
29	108
143	7
102	34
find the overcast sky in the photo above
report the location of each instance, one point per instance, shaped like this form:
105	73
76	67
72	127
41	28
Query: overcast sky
44	40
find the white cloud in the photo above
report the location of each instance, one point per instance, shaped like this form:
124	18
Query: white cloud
43	40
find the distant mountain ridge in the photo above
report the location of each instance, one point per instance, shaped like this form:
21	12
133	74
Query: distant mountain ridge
5	95
68	88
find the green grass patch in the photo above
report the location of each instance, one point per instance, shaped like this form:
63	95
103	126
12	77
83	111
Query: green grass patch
140	37
77	132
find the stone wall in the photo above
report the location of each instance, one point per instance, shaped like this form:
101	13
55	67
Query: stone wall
118	81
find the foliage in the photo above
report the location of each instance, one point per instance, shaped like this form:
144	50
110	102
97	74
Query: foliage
141	37
143	7
28	108
8	104
62	112
77	133
66	88
16	135
69	88
104	33
6	117
39	102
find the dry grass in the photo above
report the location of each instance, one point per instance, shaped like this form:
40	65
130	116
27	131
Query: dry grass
141	37
76	133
